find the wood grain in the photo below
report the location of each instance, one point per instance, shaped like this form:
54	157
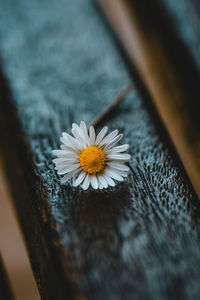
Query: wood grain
161	51
139	240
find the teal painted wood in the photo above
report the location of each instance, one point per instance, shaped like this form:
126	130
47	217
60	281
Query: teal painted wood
139	240
185	16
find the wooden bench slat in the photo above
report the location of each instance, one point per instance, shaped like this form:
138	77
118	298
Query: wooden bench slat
5	290
60	64
164	48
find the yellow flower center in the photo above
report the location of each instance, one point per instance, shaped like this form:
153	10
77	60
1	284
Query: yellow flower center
92	159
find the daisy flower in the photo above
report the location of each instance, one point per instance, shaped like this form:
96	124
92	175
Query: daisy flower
91	159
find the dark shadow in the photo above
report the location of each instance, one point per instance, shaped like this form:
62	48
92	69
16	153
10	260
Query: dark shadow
101	208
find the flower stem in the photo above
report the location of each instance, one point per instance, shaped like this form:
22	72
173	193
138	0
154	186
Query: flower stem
118	99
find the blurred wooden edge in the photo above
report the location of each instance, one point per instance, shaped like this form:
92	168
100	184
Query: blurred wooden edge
5	290
169	89
13	251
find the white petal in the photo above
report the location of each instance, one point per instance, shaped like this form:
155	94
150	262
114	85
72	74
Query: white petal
118	149
68	146
92	135
121	157
119	172
65	141
102	181
100	185
77	134
79	179
84	132
109	138
113	174
101	135
67	169
68	149
86	182
67	177
69	155
57	160
57	152
74	125
84	127
118	166
62	153
94	182
70	175
63	166
109	180
64	161
72	142
114	141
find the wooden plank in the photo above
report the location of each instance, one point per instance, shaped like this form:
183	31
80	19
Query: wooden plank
137	241
5	290
165	52
13	250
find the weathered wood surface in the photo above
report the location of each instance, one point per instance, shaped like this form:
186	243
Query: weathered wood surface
139	240
162	39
